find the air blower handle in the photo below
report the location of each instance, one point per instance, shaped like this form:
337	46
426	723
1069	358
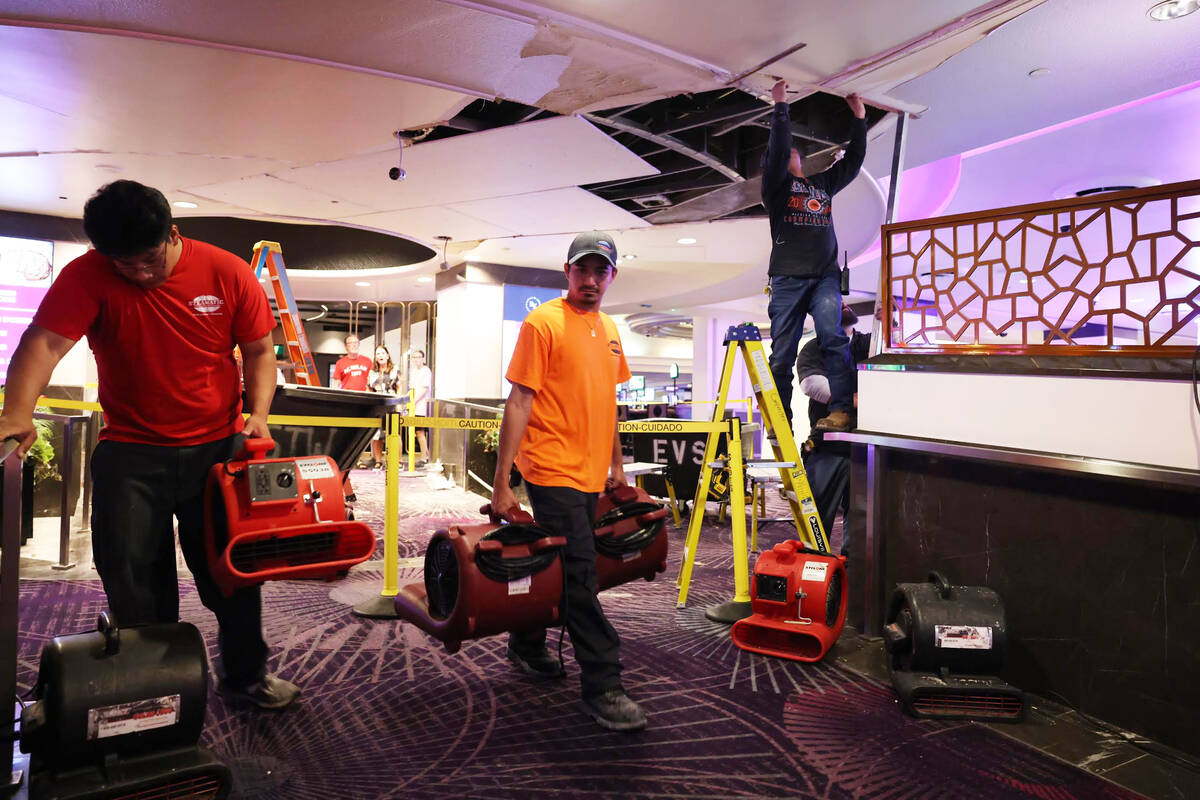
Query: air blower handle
943	585
515	515
112	634
255	449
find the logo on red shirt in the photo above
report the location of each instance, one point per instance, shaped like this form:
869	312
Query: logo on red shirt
206	304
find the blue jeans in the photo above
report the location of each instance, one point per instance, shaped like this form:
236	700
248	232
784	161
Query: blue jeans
792	299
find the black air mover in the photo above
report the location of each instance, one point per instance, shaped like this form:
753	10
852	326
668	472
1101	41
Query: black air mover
945	649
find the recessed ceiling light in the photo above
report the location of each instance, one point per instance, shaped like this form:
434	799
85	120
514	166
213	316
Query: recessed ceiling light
685	240
362	283
184	204
425	279
1039	72
1172	9
629	256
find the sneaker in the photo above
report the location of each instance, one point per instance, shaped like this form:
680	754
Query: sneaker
270	692
836	421
614	710
541	665
351	498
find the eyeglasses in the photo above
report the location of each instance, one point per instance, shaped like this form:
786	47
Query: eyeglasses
149	261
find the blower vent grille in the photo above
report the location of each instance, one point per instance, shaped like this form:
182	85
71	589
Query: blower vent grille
833	599
977	705
307	548
441	577
199	787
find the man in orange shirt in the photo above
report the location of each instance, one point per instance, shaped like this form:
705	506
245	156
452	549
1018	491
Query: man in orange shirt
560	426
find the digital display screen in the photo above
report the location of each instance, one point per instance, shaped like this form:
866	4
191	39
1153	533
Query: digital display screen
26	270
637	382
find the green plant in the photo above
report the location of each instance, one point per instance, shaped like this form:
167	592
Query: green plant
489	439
41	454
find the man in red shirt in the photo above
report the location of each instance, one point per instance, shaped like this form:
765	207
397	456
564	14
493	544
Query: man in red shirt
162	315
350	371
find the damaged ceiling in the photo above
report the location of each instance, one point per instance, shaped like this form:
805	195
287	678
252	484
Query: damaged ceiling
528	121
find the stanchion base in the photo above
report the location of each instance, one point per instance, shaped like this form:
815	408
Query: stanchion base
376	608
728	612
17	787
62	566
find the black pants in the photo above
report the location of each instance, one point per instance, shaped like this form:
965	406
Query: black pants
138	489
570	512
829	478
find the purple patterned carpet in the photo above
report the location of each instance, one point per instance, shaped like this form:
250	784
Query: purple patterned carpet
388	713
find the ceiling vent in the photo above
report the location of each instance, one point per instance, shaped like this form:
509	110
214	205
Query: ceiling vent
1106	183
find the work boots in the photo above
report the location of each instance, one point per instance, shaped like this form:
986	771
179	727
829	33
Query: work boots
836	421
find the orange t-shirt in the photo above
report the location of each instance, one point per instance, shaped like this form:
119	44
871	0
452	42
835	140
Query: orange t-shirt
573	361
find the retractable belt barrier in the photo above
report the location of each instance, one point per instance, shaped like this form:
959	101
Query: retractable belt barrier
383	605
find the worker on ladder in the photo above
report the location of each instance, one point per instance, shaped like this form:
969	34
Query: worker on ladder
804	275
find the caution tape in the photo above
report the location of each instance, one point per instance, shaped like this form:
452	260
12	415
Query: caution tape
451	422
444	423
671	426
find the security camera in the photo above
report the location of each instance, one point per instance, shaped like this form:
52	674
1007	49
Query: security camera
397	174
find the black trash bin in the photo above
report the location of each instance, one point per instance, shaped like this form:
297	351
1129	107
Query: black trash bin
343	445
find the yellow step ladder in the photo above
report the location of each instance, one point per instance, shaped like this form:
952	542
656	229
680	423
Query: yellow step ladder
748	340
270	255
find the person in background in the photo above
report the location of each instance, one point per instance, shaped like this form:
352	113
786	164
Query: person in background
804	274
383	378
827	464
351	370
420	382
560	426
162	315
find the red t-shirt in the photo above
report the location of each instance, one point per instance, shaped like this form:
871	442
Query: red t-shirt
351	372
164	355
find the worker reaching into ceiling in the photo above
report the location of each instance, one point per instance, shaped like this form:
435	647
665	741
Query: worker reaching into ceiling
803	274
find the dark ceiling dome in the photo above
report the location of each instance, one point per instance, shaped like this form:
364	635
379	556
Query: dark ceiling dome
308	246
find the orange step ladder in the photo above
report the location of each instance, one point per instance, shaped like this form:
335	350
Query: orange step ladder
270	255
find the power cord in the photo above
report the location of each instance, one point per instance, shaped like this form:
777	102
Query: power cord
633	541
498	568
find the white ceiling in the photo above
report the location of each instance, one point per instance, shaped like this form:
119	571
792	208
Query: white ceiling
257	113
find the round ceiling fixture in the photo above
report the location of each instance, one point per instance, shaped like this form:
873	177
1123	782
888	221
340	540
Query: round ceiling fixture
425	279
184	204
685	240
362	283
1103	183
1172	9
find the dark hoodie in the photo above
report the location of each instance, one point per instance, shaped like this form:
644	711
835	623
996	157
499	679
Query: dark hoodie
803	242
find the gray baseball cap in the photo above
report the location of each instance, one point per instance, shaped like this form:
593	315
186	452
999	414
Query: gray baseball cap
593	242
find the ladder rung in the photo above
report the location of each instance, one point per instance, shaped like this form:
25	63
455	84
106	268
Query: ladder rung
770	464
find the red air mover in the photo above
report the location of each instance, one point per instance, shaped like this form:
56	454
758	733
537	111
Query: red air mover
799	602
276	518
486	579
631	536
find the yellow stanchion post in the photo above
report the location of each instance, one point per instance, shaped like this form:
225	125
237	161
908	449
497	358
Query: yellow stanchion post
383	606
391	508
737	495
412	433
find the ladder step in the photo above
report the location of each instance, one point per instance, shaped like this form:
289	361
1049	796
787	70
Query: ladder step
770	464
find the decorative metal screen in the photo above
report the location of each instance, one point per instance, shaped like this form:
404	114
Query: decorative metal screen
1113	273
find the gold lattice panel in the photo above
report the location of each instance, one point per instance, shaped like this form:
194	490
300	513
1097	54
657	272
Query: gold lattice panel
1114	274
